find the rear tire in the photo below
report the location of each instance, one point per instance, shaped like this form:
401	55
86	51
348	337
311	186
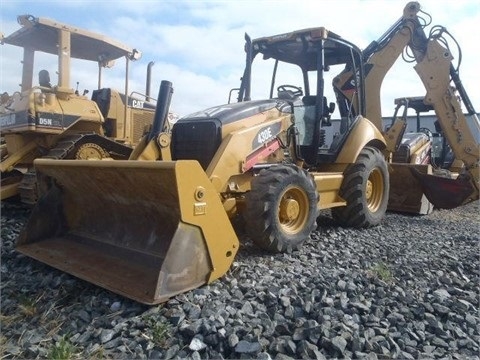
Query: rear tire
281	208
365	187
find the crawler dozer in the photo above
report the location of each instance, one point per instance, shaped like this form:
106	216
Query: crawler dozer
160	223
56	121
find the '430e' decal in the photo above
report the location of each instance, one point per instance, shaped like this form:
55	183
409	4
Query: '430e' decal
266	133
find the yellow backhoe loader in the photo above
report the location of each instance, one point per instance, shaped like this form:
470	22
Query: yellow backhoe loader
160	223
57	121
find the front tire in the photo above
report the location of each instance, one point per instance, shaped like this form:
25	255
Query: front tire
281	208
365	187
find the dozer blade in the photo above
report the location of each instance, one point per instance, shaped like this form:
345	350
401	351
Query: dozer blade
445	193
406	193
147	230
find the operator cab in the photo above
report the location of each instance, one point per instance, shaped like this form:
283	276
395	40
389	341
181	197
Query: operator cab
308	55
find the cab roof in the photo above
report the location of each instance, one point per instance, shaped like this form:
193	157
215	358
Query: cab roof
41	34
300	47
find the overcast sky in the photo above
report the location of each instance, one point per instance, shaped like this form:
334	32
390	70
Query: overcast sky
198	45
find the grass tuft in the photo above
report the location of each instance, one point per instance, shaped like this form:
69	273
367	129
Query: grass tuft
63	350
383	272
160	331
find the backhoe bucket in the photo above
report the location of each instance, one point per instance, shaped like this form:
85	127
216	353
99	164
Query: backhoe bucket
406	193
445	193
147	230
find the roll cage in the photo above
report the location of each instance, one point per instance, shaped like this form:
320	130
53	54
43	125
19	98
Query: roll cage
312	50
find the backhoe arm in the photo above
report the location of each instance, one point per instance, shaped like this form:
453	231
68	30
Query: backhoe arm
435	68
378	58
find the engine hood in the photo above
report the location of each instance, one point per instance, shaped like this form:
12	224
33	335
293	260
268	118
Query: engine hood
230	113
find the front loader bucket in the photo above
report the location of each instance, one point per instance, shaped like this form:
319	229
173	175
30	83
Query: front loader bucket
147	230
445	193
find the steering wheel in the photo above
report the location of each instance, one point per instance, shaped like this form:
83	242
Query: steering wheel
295	90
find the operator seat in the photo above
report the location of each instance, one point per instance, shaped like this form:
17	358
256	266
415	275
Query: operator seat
102	97
44	79
304	112
311	132
308	104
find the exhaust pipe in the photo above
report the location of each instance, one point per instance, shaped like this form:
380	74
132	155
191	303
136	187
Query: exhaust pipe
149	79
161	112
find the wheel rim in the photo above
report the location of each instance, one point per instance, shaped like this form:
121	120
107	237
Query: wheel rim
374	190
293	210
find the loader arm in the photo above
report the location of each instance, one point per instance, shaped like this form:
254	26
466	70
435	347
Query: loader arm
156	144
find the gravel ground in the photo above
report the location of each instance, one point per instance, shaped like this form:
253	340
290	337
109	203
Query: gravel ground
408	289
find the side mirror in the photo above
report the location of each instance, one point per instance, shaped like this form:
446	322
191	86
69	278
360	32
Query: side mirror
231	92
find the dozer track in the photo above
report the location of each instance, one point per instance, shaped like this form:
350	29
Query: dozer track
75	146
